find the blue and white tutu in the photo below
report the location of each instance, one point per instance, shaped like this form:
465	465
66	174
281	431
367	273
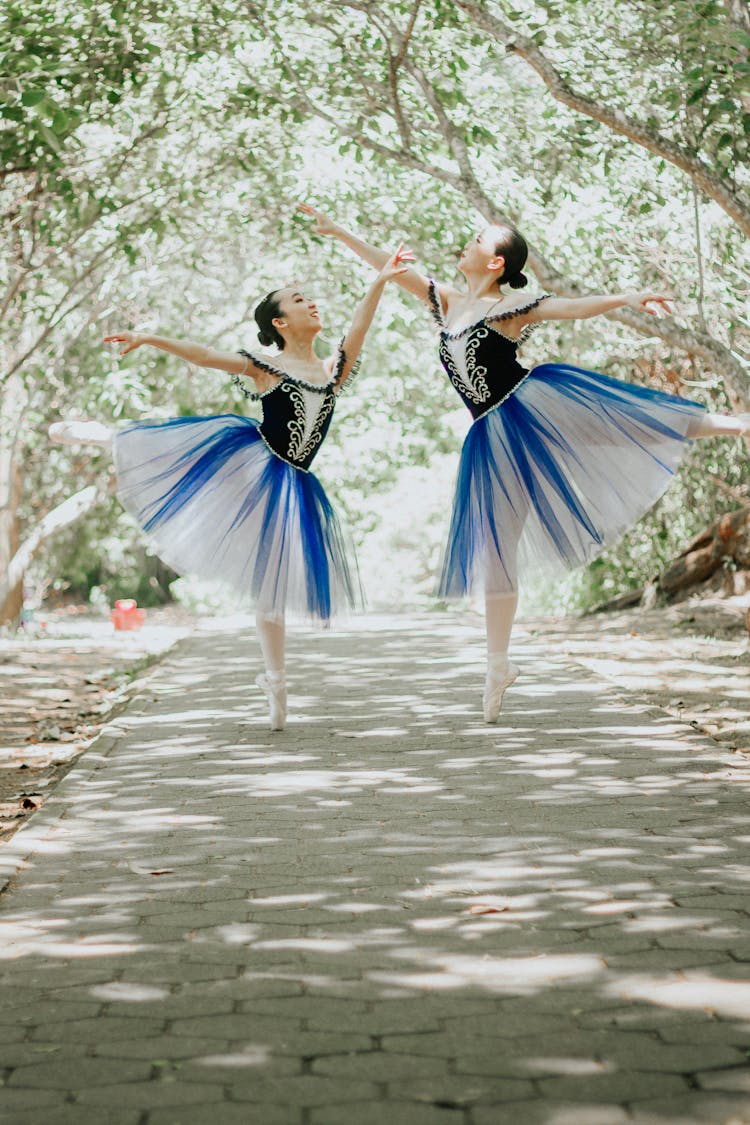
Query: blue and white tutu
217	503
555	472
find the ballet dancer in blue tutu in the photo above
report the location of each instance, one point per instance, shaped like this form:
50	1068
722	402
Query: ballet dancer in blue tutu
232	498
559	461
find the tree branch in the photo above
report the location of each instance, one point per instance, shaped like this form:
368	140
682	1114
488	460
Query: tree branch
305	104
685	159
394	65
60	517
54	319
699	344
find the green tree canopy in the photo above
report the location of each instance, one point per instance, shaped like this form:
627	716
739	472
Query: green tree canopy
151	158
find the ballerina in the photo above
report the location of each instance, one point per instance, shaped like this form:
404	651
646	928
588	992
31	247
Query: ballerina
231	497
559	461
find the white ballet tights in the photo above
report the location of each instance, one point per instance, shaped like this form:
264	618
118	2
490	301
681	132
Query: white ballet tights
272	634
500	612
718	425
273	683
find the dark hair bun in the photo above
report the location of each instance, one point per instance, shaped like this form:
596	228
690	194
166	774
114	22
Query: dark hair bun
265	314
517	281
510	245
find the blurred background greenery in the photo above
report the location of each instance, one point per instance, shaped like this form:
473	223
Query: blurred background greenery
151	157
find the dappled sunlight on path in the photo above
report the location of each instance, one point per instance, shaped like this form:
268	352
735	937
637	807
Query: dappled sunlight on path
388	912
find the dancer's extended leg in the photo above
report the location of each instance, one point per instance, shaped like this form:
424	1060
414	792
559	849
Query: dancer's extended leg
272	634
500	611
719	425
500	603
83	433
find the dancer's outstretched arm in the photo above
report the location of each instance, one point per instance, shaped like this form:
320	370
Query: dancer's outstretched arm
409	279
582	308
197	354
392	269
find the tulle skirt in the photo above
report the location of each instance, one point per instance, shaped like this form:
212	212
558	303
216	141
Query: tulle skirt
218	504
560	469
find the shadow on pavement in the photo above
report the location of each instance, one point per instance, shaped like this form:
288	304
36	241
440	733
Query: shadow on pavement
389	912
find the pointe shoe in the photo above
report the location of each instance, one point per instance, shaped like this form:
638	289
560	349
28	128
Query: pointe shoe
274	686
80	433
499	679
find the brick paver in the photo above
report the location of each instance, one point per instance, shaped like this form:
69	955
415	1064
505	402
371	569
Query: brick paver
390	914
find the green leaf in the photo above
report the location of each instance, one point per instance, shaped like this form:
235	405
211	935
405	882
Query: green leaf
700	93
50	138
32	97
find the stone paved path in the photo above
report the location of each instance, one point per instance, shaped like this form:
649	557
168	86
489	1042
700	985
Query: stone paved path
390	914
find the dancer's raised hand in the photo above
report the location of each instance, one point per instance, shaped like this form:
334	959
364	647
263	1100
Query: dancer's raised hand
394	267
641	301
322	225
409	279
391	269
131	340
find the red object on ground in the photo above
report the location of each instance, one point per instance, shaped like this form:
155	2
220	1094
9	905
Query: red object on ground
127	615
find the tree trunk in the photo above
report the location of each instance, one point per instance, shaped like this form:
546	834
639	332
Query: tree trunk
11	486
726	540
62	516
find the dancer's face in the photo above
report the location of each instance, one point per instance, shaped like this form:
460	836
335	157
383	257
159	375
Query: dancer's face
298	315
478	255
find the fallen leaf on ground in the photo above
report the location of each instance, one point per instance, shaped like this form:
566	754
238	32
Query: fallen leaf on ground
481	908
141	869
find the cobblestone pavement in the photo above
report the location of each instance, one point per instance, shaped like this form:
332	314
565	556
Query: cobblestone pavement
389	914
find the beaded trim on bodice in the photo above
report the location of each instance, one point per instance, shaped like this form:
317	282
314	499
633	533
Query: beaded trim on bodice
296	413
480	359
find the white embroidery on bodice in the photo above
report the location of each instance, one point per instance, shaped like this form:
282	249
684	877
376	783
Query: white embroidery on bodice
466	374
311	410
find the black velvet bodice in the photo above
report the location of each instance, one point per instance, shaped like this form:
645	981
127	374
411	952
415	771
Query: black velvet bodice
296	414
481	362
